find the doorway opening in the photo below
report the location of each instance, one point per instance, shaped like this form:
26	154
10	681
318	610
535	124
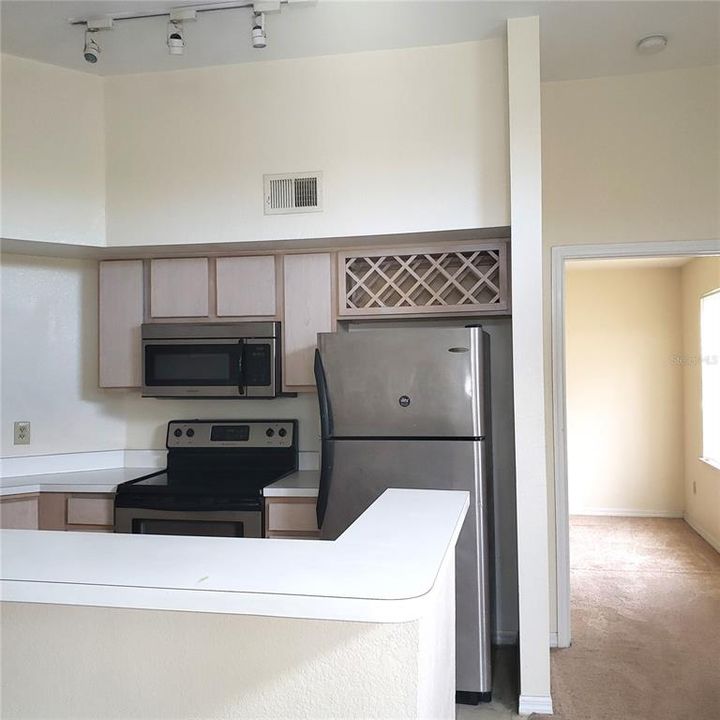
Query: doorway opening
637	496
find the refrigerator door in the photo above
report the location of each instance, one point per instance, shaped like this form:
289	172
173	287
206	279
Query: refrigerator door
409	382
362	469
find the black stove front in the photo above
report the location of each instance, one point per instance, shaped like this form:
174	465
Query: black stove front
216	471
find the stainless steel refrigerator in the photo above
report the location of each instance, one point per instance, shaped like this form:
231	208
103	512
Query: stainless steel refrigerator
410	408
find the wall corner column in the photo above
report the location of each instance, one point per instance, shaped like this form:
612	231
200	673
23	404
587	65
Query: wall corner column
528	363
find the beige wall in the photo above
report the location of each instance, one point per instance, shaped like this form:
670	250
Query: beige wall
412	139
626	159
87	662
623	331
49	371
50	359
53	153
632	158
702	481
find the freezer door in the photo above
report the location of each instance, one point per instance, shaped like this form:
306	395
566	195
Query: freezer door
410	382
362	469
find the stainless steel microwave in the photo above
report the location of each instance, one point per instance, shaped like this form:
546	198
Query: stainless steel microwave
211	360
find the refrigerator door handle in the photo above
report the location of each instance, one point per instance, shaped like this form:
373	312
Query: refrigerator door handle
326	449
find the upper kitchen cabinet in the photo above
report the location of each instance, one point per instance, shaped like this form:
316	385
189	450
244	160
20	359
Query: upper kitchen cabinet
424	281
308	311
120	316
246	286
179	288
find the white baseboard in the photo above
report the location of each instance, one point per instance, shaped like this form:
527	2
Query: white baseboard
505	637
530	704
627	512
62	462
704	534
553	639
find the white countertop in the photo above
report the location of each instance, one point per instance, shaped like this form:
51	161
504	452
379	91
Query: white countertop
303	483
90	481
380	570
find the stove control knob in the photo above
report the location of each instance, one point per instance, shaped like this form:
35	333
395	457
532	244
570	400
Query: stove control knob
282	432
269	432
178	433
189	432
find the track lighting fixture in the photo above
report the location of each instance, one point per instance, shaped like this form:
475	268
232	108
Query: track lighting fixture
259	39
92	50
177	17
175	38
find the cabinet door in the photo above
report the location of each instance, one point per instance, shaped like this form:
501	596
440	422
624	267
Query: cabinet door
120	317
245	286
291	517
179	288
19	512
307	312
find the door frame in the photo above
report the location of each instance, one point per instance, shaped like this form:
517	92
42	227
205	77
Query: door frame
560	254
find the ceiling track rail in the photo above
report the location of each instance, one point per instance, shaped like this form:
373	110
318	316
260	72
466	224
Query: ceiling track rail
207	7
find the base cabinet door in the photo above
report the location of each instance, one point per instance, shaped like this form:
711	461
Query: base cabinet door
291	517
19	512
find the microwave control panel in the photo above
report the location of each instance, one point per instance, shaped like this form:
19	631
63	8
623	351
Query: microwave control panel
231	433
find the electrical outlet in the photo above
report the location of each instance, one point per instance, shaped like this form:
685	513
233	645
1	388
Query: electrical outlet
694	488
22	432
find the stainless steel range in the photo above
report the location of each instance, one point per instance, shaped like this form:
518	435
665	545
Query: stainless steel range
216	471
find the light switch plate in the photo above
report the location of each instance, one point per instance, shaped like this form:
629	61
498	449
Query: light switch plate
21	434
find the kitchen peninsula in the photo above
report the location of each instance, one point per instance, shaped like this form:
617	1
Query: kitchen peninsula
194	627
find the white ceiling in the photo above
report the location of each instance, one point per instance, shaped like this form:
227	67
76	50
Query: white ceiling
579	39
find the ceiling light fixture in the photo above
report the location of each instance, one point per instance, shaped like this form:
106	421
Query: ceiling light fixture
176	29
178	16
651	44
259	39
92	49
175	38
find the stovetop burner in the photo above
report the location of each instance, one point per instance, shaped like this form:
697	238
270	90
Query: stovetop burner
218	463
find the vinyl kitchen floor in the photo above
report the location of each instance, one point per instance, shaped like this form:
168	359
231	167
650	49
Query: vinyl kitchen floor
505	693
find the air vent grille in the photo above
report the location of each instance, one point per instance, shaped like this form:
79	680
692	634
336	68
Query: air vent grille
293	193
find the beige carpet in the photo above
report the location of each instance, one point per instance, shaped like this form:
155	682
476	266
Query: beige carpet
646	623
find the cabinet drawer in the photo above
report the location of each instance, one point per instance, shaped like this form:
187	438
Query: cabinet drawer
285	516
89	511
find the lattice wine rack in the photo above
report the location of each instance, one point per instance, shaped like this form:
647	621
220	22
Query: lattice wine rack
407	281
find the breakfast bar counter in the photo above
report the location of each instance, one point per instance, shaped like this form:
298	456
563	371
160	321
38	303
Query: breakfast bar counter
273	626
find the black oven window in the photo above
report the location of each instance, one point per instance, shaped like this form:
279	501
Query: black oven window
192	365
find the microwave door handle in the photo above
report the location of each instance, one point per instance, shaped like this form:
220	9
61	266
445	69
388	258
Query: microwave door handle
241	368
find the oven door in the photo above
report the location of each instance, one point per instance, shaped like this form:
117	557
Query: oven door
208	523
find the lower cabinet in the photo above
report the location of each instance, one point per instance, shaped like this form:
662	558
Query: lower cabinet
19	512
291	517
84	512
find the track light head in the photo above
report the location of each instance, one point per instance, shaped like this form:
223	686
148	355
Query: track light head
92	50
175	38
259	39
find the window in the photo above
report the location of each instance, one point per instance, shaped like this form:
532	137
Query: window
710	364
